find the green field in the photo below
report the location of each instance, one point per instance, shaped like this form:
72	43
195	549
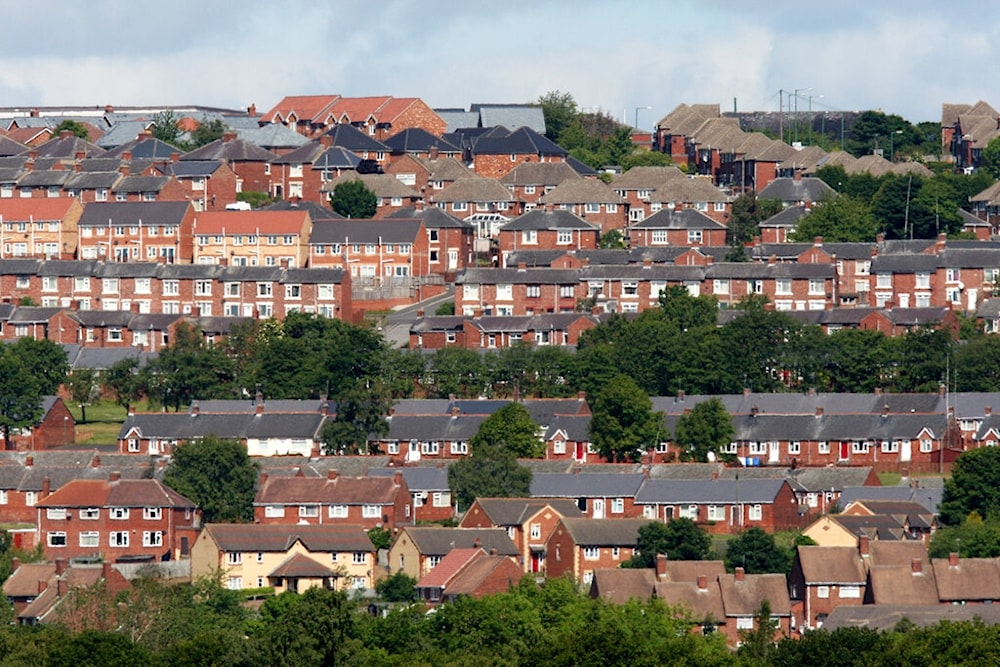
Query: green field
104	420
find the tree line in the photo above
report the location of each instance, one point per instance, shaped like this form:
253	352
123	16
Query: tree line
154	623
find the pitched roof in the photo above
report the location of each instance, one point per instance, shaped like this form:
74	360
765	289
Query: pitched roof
604	532
831	565
438	541
743	598
968	579
251	222
249	537
453	562
473	189
349	232
540	219
115	493
618	586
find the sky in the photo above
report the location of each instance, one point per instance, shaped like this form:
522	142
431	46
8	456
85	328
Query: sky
901	57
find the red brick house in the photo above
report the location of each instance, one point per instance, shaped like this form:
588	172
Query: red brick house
530	181
498	151
117	520
370	501
137	231
250	163
449	240
725	506
577	547
591	199
528	522
252	238
468	572
824	578
55	428
684	227
546	229
672	131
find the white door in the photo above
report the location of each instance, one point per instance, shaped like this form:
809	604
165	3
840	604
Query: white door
904	300
598	508
773	451
905	451
452	260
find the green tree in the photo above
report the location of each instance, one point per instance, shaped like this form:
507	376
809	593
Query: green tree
316	627
445	309
20	394
362	406
990	161
754	349
747	214
399	587
189	369
489	474
83	389
124	381
165	127
973	538
559	110
509	430
456	371
977	364
680	539
76	128
612	239
353	199
380	537
622	424
208	132
704	432
757	553
838	219
974	486
218	475
757	643
46	361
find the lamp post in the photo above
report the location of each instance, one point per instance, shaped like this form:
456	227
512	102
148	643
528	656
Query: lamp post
637	110
891	146
810	98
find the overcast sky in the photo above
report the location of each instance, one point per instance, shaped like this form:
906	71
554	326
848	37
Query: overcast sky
904	58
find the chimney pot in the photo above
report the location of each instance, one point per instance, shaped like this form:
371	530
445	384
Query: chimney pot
661	566
115	476
332	473
953	559
702	581
740	574
916	566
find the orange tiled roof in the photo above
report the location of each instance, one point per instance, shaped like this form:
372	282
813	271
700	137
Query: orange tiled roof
250	222
17	209
305	107
358	108
450	565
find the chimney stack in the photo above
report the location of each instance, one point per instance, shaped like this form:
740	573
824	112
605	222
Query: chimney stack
115	476
60	566
953	559
864	545
916	566
702	582
46	486
740	574
332	473
661	566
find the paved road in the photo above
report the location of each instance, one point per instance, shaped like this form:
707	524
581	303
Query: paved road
396	329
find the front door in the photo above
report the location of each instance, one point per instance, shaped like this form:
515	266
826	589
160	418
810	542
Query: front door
536	561
598	508
580	452
905	451
844	450
452	260
774	452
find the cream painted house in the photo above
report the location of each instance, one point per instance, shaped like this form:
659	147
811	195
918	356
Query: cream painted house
285	557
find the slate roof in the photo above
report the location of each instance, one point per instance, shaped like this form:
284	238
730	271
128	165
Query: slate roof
418	140
340	491
418	478
585	485
541	174
887	617
515	511
192	168
271	136
522	141
383	185
721	491
354	140
183	426
972	579
511	116
137	183
233	150
428	428
603	532
300	566
141	147
433	217
687	218
348	232
438	541
248	537
145	214
473	189
797	190
910	583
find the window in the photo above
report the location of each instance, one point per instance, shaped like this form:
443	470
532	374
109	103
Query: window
81	284
529	237
370	512
567	291
274	511
630	288
591	553
337	511
152	513
119	513
755	286
30	498
441	499
859	447
883	281
817	286
118	538
926	445
756	512
505	292
234	583
142	286
460	448
720	286
533	291
50	284
535	531
55	513
470	292
689	512
659	237
265	289
694	236
359	558
234	557
783	286
795	447
152	538
56	538
823	447
309	510
617	505
90	538
823	592
890	446
293	291
716	512
564	237
850	591
744	623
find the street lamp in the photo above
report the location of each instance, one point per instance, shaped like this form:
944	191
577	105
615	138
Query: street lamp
891	147
637	110
810	98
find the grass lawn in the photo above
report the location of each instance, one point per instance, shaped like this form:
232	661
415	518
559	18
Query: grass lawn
104	420
890	478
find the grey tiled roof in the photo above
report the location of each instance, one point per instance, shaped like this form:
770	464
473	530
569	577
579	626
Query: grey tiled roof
434	541
540	219
349	232
134	213
723	491
585	485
